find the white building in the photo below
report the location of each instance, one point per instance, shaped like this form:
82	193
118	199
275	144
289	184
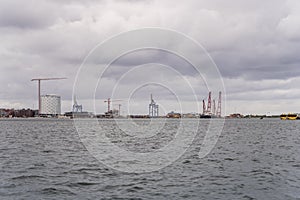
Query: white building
50	105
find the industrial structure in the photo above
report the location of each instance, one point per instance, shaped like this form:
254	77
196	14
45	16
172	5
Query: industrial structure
39	88
111	113
23	113
153	108
219	109
76	108
50	105
211	111
174	115
77	111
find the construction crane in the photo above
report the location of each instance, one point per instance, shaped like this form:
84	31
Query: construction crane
39	87
204	107
214	107
119	109
109	101
209	103
219	109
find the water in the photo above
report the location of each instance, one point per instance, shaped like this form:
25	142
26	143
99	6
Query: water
253	159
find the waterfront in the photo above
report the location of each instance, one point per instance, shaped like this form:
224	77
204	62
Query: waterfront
253	159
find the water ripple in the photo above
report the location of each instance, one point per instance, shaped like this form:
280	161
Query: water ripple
253	159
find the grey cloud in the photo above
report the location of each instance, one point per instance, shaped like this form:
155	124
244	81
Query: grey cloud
162	57
252	42
27	14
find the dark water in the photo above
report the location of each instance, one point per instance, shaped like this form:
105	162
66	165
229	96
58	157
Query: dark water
253	159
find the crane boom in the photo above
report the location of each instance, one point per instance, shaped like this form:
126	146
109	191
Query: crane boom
46	79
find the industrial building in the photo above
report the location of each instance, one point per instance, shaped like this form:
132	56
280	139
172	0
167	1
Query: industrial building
50	105
173	115
24	113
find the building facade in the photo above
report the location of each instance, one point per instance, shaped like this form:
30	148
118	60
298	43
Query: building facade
50	105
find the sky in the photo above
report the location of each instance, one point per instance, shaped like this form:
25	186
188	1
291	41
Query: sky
254	44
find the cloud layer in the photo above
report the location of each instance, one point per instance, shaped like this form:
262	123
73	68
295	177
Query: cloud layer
255	45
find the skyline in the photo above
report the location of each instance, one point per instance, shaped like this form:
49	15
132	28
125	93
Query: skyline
254	45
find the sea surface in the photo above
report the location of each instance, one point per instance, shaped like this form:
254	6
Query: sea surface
252	159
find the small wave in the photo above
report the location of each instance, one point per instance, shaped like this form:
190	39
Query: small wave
79	184
48	151
86	183
134	189
229	159
248	197
7	186
51	191
27	177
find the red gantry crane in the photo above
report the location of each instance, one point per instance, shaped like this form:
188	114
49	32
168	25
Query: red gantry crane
219	109
209	103
39	87
209	110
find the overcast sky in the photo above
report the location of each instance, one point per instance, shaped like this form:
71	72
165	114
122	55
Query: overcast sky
255	45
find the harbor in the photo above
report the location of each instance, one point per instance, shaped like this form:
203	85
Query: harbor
149	100
49	106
